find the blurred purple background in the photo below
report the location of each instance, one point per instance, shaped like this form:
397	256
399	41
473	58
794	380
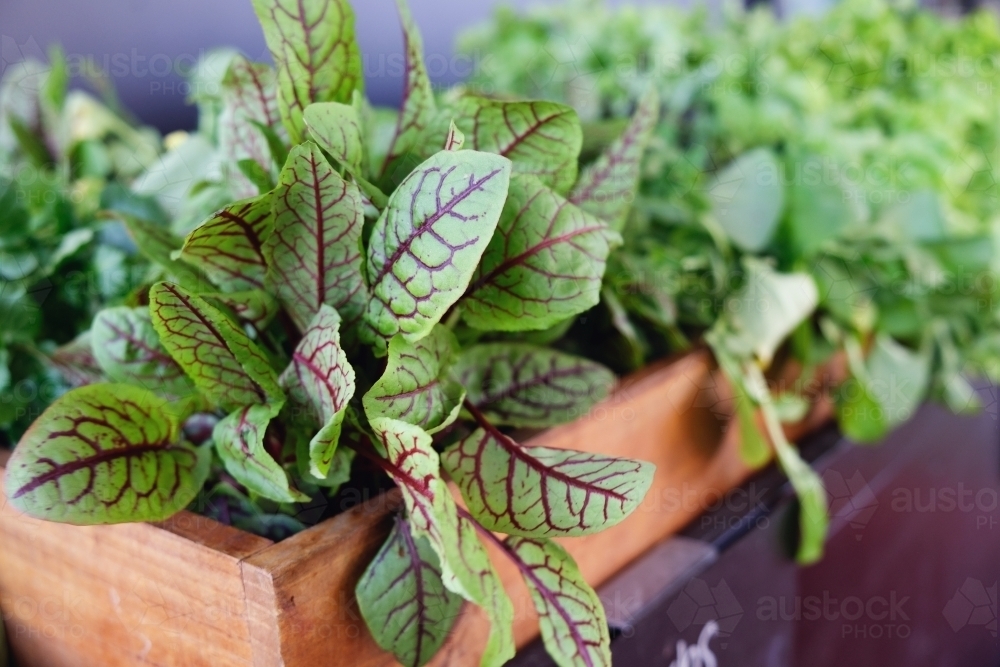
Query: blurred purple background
142	42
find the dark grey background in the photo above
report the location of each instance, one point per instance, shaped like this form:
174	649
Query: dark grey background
128	35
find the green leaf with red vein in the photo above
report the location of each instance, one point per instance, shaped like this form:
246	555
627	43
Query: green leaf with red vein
403	600
160	246
315	251
571	616
540	138
416	387
337	129
544	264
466	568
524	385
317	58
128	349
543	491
455	139
229	246
239	439
418	109
105	453
250	97
254	306
225	365
75	362
607	187
425	246
321	378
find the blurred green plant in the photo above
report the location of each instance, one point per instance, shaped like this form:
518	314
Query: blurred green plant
812	186
66	158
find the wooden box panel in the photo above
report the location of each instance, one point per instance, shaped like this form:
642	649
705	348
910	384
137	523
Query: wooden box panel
191	591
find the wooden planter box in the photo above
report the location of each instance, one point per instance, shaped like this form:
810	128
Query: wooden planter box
190	591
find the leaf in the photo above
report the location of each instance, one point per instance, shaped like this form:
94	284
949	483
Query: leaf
259	178
425	246
249	101
337	129
220	359
239	439
818	210
455	139
607	187
524	385
418	109
128	350
747	198
312	42
229	246
884	391
415	386
540	138
105	453
543	491
403	600
159	245
466	568
544	264
761	315
571	616
814	520
254	306
75	361
314	253
753	447
321	377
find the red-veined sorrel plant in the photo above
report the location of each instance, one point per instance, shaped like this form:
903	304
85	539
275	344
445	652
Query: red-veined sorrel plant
344	308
